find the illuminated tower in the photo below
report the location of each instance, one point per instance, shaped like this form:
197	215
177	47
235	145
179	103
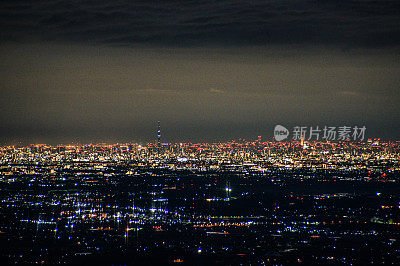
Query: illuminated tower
159	136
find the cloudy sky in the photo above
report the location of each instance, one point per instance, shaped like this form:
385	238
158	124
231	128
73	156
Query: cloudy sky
87	71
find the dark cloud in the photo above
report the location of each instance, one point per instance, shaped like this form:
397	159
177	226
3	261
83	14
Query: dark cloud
83	70
181	23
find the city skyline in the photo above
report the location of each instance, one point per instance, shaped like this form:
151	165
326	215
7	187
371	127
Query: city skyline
325	134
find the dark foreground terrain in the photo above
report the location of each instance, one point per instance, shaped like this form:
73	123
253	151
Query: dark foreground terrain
89	215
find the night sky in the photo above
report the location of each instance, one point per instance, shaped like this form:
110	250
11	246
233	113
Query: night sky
90	71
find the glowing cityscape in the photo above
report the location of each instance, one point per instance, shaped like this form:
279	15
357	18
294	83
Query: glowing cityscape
199	132
256	202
